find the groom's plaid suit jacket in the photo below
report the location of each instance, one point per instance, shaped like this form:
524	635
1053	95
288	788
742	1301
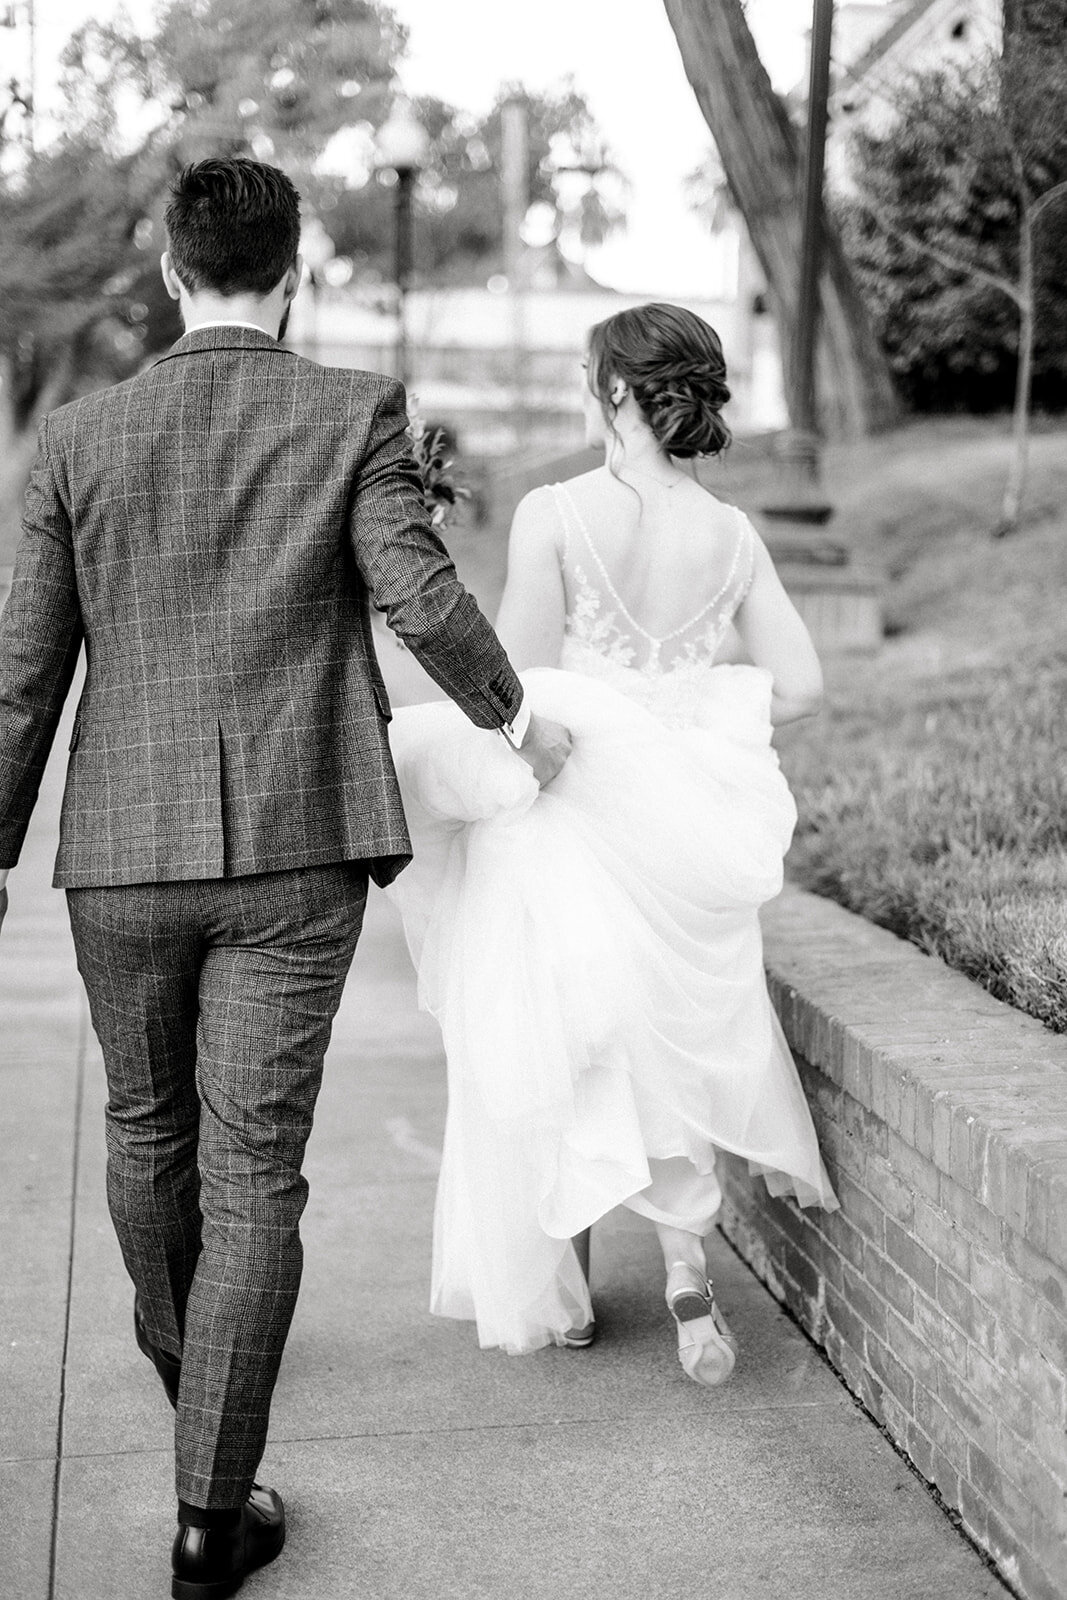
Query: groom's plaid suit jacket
215	529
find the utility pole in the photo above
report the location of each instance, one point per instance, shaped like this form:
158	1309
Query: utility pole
806	419
800	500
838	597
515	140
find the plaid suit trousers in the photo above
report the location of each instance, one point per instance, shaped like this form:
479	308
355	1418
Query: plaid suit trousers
213	1001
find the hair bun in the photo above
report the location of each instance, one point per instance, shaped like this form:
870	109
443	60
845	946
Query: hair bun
673	362
684	410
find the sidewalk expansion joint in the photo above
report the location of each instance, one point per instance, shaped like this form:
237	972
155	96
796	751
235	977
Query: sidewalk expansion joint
843	1406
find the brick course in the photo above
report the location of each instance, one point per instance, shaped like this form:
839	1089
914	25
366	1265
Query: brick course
939	1291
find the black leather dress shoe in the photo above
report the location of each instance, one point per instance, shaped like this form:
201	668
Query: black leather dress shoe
168	1367
211	1563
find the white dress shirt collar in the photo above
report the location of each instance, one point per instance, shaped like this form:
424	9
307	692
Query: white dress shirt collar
226	323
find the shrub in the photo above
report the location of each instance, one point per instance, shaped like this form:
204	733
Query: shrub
944	193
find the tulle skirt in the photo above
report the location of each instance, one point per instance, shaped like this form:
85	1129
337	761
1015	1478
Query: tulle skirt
592	953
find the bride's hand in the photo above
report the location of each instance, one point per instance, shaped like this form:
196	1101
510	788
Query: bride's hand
545	748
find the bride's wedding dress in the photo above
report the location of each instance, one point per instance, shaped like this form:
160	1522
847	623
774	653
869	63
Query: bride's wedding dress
593	954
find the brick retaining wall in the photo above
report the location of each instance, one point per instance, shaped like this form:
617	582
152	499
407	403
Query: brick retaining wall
939	1291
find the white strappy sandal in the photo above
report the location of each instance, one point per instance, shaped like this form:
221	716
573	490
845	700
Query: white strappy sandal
707	1349
579	1338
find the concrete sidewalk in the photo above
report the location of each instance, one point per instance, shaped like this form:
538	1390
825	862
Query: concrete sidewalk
413	1465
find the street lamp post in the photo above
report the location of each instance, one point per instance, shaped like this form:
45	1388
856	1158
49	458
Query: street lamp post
802	501
402	148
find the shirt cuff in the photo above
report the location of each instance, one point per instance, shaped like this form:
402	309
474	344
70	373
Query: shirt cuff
515	730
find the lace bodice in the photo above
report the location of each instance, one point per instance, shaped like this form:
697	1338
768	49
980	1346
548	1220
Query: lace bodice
672	674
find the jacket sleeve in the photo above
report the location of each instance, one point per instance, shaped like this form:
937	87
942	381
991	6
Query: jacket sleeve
40	636
411	577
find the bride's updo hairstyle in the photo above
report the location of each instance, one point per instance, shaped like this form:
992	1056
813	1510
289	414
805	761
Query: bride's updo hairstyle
672	362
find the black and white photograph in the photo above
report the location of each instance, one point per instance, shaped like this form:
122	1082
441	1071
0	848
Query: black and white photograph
533	799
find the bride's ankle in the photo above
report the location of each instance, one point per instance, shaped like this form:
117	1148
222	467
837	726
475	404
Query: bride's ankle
681	1249
694	1263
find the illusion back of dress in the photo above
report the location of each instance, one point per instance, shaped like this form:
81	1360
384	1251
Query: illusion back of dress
670	674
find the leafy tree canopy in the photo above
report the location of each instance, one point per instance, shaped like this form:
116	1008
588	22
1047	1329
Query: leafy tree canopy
936	225
296	82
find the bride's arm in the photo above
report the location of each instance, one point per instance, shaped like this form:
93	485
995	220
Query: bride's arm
530	621
774	635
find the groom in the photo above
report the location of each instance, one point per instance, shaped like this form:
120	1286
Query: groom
215	530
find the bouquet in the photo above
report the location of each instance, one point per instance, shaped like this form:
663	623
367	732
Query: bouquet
440	492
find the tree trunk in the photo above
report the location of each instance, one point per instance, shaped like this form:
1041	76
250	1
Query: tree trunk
1015	488
759	151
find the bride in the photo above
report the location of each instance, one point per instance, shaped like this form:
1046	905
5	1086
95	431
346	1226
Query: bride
592	950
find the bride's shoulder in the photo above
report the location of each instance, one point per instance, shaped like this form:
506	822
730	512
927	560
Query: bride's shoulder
537	506
734	518
547	507
536	523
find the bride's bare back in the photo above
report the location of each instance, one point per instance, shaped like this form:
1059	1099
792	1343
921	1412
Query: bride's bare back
668	565
666	558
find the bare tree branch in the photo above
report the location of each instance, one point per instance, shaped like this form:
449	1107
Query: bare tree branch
944	258
1046	200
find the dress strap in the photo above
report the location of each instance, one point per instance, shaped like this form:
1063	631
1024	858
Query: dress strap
563	505
737	579
582	526
746	550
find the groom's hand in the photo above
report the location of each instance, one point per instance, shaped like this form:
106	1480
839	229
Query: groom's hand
545	748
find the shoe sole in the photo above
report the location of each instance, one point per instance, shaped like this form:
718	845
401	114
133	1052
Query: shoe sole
184	1589
576	1342
687	1306
712	1349
713	1365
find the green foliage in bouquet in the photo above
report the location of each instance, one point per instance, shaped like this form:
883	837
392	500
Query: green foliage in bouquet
441	492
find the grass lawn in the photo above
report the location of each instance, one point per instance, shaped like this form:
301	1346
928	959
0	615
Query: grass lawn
933	789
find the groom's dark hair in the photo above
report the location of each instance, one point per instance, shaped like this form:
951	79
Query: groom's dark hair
233	225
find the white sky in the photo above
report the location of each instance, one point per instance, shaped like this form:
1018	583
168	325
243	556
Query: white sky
621	53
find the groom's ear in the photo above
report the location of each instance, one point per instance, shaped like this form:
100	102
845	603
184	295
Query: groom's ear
294	278
171	281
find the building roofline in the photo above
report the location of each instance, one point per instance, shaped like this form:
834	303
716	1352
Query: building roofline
881	46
